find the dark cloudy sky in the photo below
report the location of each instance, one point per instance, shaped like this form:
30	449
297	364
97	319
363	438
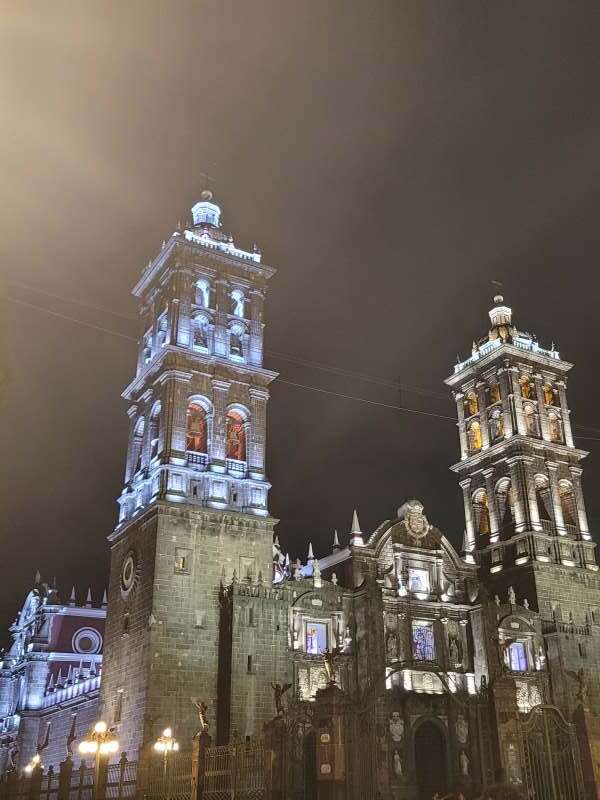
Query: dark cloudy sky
391	158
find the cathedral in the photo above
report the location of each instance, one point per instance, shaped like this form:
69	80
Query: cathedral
451	659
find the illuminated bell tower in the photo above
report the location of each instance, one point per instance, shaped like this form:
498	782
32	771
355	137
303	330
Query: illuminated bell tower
520	471
193	510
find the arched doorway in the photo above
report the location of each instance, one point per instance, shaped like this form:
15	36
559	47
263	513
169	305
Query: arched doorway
430	760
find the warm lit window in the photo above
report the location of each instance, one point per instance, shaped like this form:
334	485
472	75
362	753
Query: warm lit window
494	393
526	388
196	429
475	440
481	512
471	404
316	638
418	579
548	395
518	657
422	641
236	436
554	428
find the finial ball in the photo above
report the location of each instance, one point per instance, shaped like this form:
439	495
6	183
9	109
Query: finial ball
206	195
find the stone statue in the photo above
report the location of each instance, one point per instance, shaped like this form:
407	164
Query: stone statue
464	763
582	689
512	597
396	725
278	692
397	759
71	737
202	709
391	646
329	657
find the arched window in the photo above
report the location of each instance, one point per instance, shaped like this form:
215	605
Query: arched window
496	425
544	499
238	302
236	436
494	393
200	334
481	511
471	404
236	347
203	293
548	395
555	427
154	431
138	440
517	656
196	440
505	503
567	502
474	433
532	421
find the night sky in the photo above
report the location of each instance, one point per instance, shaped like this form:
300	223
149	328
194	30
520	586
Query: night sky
390	158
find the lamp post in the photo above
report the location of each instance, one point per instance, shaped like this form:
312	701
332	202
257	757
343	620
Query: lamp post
100	741
166	744
36	761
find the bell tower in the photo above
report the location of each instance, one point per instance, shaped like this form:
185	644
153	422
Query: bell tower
193	510
520	471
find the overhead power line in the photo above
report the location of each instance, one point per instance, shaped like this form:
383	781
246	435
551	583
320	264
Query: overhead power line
295	384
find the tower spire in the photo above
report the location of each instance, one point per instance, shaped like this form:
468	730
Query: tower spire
356	537
336	540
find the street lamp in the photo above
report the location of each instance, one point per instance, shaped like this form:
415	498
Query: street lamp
101	742
35	762
166	744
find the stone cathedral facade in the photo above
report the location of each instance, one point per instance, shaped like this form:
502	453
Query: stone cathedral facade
444	652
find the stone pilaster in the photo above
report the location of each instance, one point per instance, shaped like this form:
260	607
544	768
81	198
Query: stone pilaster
469	526
492	502
483	417
174	409
255	344
576	473
517	401
221	330
532	510
565	413
183	332
217	450
132	413
462	433
559	522
539	391
503	380
517	493
258	432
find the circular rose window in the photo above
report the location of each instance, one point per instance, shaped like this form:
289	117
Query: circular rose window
87	641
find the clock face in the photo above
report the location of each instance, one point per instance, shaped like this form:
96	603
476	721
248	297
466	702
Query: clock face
129	572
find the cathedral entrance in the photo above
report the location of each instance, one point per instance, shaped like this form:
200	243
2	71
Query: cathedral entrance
430	760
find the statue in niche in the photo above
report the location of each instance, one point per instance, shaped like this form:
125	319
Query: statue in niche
236	344
512	597
396	726
462	729
237	303
391	646
455	649
397	761
465	764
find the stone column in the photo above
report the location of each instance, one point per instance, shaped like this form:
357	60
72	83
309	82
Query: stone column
462	433
174	411
221	331
517	493
258	432
539	391
503	380
532	510
492	503
465	485
559	522
132	412
576	473
182	334
483	417
518	401
255	348
217	451
566	414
